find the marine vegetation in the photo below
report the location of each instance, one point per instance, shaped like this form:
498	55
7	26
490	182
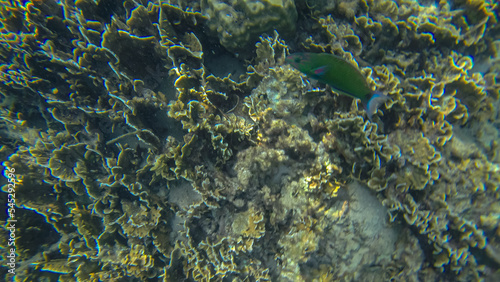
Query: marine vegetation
174	140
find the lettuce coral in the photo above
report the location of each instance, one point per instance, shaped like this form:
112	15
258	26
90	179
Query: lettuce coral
239	23
170	141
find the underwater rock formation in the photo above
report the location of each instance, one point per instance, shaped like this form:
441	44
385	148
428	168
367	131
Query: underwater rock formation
135	159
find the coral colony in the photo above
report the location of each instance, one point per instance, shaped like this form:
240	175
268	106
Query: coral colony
158	141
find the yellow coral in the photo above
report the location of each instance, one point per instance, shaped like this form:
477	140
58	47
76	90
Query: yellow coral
248	225
137	262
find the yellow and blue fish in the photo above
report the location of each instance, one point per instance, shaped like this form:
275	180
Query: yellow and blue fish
339	74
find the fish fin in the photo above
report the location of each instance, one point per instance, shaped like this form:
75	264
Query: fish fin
320	71
374	103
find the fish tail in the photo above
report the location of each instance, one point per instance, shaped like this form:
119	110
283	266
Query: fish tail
374	103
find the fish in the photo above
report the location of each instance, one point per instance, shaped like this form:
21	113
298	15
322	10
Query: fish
340	75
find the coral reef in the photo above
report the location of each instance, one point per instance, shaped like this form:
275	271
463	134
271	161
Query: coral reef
170	141
239	23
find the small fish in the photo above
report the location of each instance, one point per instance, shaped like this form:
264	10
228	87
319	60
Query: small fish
339	74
